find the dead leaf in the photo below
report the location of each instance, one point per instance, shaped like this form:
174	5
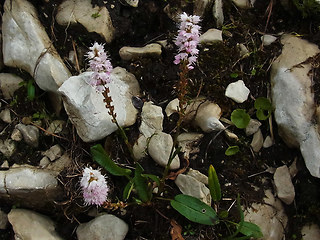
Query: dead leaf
175	231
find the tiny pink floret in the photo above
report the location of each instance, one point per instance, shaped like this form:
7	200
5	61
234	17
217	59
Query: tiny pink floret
94	187
100	65
187	40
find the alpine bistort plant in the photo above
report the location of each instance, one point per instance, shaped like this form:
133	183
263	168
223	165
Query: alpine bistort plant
94	187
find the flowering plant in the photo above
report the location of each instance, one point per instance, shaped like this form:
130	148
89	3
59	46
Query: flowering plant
94	187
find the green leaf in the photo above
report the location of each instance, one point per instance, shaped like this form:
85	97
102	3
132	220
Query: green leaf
214	185
141	185
194	209
31	90
100	156
251	230
261	114
127	190
234	75
223	214
154	178
96	15
232	150
263	103
240	118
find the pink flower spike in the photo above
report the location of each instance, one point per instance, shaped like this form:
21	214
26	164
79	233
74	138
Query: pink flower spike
94	187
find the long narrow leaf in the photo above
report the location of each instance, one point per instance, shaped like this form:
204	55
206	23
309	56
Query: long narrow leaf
100	156
194	209
141	185
127	190
154	178
214	185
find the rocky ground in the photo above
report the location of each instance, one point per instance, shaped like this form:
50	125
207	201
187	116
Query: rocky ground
50	116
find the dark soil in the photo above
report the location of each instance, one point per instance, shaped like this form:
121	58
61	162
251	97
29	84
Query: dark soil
158	78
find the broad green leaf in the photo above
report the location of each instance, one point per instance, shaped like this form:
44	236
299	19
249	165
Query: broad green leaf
214	185
251	230
194	209
240	118
261	114
232	150
127	190
234	75
263	103
154	178
141	185
31	90
100	156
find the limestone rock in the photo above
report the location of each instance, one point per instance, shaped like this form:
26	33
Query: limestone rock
186	142
140	147
283	184
159	149
198	175
1	54
237	91
172	107
211	36
29	185
310	232
190	186
60	164
54	152
5	115
252	127
268	39
104	227
244	4
30	134
151	119
9	83
131	53
29	225
200	7
3	220
270	217
87	110
217	10
257	141
7	147
94	19
55	127
16	135
26	45
268	142
293	85
132	3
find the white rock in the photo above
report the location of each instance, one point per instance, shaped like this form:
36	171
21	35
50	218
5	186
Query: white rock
72	12
237	91
151	119
87	110
211	36
244	4
132	3
190	186
268	142
16	135
29	225
5	115
131	53
293	85
270	217
198	175
257	141
268	39
3	220
310	232
30	134
207	116
140	147
60	164
293	169
243	50
231	135
252	127
172	107
159	149
54	152
5	165
44	162
217	11
284	187
9	83
7	147
187	141
105	227
1	55
201	6
26	45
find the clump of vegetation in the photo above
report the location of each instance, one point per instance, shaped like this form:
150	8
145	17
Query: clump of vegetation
308	8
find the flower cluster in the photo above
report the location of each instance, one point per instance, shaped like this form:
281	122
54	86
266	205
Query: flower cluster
94	187
187	40
101	65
